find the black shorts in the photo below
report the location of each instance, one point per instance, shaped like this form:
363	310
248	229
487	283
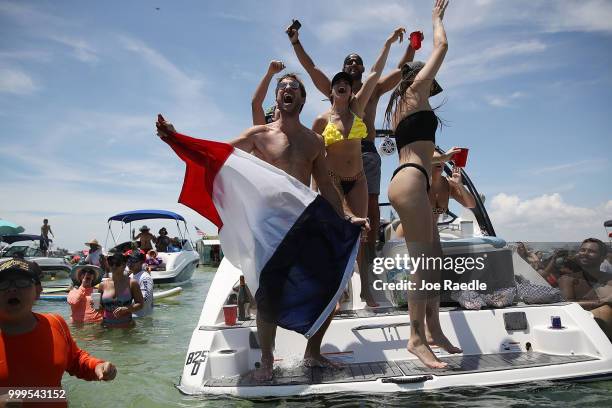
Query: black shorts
44	244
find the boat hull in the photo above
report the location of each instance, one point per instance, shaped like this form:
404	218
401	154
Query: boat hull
373	345
179	268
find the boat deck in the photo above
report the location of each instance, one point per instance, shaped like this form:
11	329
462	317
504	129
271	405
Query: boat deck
373	371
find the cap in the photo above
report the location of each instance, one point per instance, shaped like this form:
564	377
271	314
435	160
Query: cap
23	267
144	228
342	76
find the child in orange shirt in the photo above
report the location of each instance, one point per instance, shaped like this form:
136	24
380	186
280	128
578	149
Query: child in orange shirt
36	349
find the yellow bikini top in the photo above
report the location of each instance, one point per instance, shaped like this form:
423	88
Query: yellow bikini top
332	135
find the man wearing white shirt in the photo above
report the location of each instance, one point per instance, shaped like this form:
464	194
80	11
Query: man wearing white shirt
135	264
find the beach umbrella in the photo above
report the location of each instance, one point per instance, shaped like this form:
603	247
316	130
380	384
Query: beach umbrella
10	228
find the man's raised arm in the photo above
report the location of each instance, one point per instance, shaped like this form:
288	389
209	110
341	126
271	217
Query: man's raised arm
320	80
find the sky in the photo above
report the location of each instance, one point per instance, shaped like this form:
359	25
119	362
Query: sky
527	87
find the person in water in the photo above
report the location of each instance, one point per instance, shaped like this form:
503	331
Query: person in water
414	124
259	116
353	65
589	286
290	146
121	295
36	349
79	297
135	263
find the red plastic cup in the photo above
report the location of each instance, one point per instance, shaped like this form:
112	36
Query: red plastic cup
460	158
230	313
415	39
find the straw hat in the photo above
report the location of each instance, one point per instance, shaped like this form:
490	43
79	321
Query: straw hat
77	269
93	242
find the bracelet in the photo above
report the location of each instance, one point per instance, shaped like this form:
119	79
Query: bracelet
295	43
348	217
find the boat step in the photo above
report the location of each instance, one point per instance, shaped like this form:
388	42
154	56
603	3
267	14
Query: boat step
372	371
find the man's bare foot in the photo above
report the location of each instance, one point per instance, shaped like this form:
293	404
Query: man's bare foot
443	342
370	302
320	361
264	373
424	353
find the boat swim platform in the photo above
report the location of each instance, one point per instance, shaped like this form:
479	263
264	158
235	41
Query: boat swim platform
398	370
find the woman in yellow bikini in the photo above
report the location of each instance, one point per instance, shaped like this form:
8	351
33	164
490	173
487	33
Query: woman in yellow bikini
342	129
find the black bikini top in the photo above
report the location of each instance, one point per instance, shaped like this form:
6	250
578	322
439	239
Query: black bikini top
417	126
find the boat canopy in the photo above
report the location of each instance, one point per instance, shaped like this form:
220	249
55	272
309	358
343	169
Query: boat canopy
137	215
608	223
21	237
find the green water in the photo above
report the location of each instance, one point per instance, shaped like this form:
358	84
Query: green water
150	357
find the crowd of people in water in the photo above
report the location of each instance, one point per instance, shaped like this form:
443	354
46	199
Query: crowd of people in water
336	156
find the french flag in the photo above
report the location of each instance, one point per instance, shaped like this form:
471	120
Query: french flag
295	252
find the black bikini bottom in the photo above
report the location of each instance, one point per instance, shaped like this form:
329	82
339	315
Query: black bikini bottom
416	166
345	183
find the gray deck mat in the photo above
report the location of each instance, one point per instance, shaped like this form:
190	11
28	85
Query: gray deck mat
358	372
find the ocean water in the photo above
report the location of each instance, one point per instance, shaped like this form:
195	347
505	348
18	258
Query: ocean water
150	357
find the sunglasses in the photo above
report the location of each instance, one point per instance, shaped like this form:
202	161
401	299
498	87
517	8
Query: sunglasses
293	85
20	283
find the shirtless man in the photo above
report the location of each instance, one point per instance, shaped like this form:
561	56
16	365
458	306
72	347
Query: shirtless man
145	238
45	230
591	288
300	152
353	65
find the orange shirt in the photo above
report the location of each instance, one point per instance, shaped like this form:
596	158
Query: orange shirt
40	357
79	300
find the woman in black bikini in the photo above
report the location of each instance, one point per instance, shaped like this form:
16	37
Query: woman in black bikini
410	115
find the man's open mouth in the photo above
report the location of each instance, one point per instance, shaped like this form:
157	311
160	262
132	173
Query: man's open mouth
14	301
287	98
341	89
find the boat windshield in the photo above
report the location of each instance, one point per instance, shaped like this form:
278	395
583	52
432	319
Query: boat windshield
24	250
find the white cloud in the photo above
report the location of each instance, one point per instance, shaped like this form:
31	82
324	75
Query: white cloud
22	55
578	167
16	82
341	26
546	218
593	15
493	62
504	101
82	50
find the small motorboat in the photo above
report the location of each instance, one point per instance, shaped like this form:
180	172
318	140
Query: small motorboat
515	344
52	267
177	267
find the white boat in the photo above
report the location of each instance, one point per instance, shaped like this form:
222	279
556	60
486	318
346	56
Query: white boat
177	267
210	251
51	266
510	345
